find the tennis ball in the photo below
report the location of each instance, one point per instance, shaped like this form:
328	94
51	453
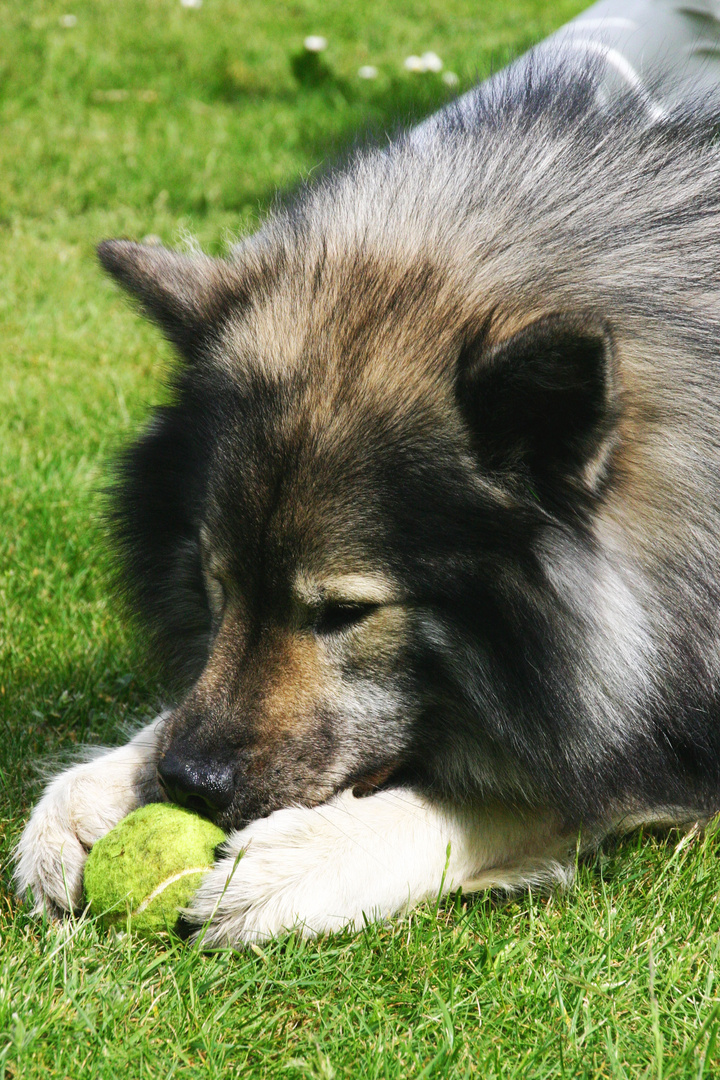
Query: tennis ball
148	866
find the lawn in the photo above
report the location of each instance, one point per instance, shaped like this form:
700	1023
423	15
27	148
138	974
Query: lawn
144	117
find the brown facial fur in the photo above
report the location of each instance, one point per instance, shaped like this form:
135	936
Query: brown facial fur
276	699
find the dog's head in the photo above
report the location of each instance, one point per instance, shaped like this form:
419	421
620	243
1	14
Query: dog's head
331	529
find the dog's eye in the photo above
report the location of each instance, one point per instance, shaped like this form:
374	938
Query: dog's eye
336	618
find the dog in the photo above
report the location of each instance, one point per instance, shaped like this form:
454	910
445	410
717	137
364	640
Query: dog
429	532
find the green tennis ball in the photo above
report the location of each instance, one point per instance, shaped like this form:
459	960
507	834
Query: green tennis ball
148	866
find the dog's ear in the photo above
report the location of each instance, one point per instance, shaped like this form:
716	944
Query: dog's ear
187	295
542	403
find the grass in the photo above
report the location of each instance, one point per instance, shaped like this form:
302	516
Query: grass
149	118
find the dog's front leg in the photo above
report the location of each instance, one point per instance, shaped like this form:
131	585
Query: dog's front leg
356	859
78	807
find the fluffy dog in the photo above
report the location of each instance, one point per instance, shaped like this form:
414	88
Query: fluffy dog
431	528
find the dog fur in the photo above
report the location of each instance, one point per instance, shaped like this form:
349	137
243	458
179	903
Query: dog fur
430	531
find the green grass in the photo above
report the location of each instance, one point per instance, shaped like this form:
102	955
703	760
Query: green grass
148	118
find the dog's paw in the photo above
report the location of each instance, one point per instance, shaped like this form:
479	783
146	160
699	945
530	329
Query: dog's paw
318	870
77	808
280	873
51	854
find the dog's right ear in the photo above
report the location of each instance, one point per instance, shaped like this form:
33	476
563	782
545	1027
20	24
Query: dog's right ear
188	296
542	404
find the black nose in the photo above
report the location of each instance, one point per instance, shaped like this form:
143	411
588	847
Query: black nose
205	786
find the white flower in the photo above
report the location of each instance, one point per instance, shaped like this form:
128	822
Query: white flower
367	71
315	43
450	78
431	62
191	3
68	21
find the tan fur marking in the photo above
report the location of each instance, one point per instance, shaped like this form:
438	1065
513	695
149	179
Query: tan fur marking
384	635
350	588
293	678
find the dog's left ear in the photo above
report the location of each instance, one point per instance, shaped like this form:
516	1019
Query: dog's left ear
187	295
542	404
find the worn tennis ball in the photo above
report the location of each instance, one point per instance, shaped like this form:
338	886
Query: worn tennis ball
148	866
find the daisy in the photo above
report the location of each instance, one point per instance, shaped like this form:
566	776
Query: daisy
315	43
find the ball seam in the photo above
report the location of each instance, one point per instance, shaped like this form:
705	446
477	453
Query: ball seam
166	884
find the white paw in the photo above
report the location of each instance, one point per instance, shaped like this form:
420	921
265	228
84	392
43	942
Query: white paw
77	808
322	869
62	828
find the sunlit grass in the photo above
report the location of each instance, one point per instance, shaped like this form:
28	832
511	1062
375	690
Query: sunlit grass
150	118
